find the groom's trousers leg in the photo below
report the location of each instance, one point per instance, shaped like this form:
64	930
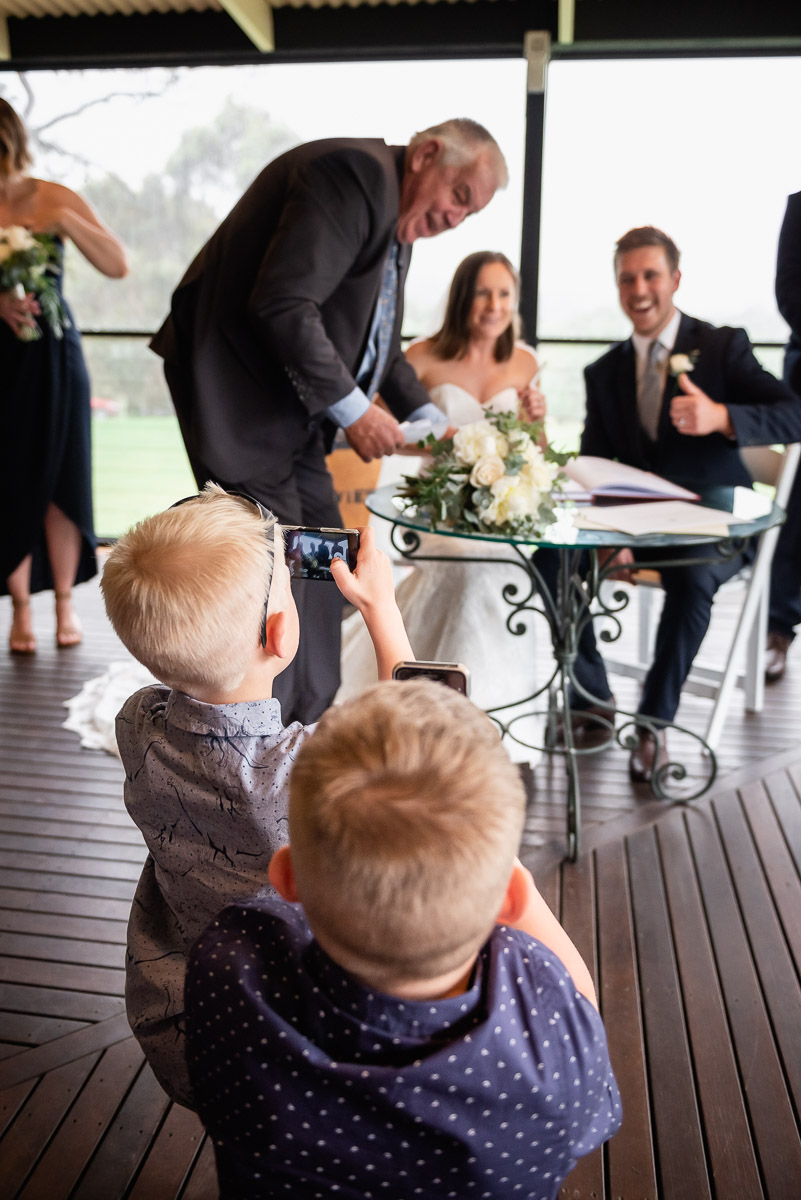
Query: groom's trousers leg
689	593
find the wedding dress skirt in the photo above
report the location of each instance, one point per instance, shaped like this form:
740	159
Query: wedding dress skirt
454	611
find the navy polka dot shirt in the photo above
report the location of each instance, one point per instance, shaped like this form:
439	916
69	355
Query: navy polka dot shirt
311	1085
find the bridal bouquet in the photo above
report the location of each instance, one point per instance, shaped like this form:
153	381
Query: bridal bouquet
24	260
491	477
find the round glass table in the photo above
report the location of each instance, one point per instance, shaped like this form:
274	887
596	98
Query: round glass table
579	599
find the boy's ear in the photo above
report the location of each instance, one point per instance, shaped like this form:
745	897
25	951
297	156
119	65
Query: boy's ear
281	875
275	635
517	895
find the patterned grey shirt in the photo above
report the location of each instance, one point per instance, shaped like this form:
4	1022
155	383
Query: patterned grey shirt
208	787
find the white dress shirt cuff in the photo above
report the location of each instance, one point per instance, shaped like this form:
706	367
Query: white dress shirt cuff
349	408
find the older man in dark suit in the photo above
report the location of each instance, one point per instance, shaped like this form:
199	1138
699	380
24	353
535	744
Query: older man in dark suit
688	428
288	322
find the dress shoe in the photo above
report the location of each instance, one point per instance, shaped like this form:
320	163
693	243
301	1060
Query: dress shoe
648	755
587	729
776	656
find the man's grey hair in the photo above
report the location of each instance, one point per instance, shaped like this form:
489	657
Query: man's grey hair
464	140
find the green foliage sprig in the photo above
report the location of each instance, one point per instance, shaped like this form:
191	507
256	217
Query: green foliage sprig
27	264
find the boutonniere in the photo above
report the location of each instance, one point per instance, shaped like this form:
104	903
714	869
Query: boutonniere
681	364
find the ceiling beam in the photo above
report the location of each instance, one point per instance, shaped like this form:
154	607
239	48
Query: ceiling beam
254	18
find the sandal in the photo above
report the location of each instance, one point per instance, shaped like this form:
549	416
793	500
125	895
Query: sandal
21	641
68	633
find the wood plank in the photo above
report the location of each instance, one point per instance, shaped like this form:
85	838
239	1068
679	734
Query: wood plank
55	1002
12	899
31	1029
777	975
12	1100
772	1120
28	1137
62	886
780	873
90	867
784	790
97	980
85	928
35	826
88	1120
171	1158
578	916
51	809
80	847
61	950
630	1153
677	1125
126	1142
202	1184
728	1136
48	1058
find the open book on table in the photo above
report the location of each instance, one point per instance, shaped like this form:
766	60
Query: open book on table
600	479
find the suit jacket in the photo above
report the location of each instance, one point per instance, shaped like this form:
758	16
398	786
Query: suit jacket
788	287
270	322
762	409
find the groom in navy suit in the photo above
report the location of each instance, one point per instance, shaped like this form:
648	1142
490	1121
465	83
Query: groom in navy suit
688	428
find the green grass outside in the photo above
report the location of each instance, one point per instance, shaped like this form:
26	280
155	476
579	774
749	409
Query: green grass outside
139	467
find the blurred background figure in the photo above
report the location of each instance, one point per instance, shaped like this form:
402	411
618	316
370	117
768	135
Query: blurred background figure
454	610
45	452
785	577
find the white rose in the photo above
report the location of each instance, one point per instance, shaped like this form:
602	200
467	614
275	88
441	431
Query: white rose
487	471
18	238
467	442
539	475
680	363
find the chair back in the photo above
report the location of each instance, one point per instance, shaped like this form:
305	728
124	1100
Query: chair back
774	467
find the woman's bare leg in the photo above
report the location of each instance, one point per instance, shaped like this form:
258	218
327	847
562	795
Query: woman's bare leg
21	639
64	551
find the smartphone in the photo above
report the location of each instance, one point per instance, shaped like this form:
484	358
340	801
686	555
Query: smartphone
453	675
310	551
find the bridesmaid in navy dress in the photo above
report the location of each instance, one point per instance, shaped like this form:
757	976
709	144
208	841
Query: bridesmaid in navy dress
45	464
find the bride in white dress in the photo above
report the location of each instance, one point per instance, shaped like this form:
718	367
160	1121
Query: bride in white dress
454	611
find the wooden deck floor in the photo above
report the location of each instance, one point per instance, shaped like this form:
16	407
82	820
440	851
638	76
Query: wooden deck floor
690	916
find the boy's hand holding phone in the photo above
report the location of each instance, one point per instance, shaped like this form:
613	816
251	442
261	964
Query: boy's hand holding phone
371	589
372	583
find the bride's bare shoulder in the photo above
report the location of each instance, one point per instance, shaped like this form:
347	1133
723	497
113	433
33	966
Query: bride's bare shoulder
525	355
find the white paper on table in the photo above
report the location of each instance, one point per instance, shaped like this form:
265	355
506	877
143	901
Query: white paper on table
663	516
750	505
416	431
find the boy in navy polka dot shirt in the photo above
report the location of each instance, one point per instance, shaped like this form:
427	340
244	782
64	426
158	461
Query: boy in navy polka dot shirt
422	1025
200	594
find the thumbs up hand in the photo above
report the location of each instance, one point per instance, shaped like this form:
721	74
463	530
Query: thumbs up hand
694	413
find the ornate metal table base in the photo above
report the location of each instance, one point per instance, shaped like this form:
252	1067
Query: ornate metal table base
578	601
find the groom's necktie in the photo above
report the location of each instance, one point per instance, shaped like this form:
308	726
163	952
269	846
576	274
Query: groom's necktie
649	398
387	308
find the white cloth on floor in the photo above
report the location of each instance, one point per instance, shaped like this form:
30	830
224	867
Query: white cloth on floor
93	711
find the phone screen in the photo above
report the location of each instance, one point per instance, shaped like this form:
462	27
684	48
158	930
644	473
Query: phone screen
310	551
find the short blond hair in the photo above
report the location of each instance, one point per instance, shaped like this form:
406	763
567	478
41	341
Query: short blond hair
185	590
404	820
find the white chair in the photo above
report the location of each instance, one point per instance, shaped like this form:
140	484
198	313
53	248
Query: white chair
769	466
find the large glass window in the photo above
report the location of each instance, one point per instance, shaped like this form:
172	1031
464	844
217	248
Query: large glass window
702	148
164	154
